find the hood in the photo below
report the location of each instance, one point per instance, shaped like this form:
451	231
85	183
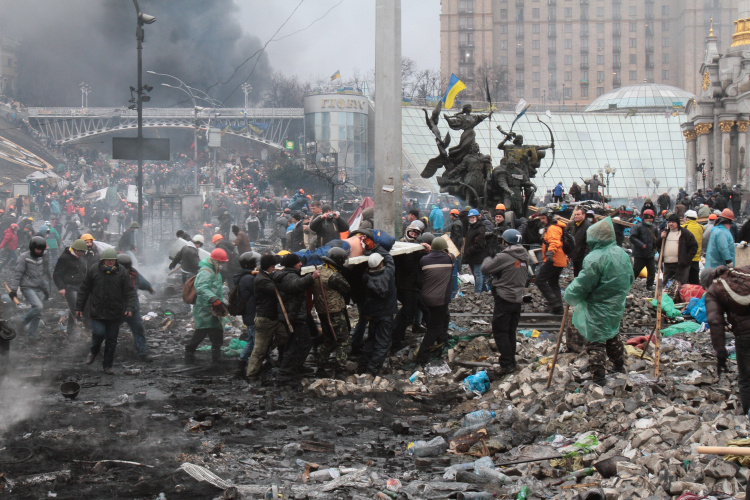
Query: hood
368	213
601	234
207	263
517	251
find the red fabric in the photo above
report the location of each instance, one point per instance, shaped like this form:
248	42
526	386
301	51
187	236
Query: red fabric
687	292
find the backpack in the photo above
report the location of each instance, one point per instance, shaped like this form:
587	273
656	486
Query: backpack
383	239
235	304
189	294
568	243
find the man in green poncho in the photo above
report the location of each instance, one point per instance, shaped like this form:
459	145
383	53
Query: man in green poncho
598	294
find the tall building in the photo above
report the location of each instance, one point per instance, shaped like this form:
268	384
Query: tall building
572	51
8	65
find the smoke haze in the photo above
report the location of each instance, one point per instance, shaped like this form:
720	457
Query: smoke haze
65	43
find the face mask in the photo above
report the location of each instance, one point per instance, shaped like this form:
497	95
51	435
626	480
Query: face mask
647	222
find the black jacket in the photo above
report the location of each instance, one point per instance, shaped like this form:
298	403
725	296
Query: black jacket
328	229
293	288
233	266
474	244
69	271
380	289
266	302
686	247
110	294
246	282
455	228
579	235
408	274
127	241
641	235
188	258
297	238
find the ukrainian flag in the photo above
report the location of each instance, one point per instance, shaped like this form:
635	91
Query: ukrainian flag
337	74
454	87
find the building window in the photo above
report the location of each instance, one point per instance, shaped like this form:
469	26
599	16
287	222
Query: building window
665	41
535	76
600	60
665	58
599	91
633	27
503	29
633	59
584	58
504	61
650	75
535	28
535	12
535	61
466	6
466	23
503	13
568	60
519	91
665	74
600	44
568	11
600	12
633	75
665	26
568	43
466	39
584	90
600	77
600	27
584	44
466	56
519	78
568	76
535	93
616	60
633	43
568	93
568	28
633	11
503	44
519	30
535	44
665	10
584	76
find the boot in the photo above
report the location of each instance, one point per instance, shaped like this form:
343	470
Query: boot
189	356
241	369
215	356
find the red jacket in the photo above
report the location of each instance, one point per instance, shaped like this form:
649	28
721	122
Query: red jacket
10	239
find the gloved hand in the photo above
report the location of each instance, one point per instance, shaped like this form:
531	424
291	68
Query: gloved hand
550	254
721	365
171	266
12	294
219	310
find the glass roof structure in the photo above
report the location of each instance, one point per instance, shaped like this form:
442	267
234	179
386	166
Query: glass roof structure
641	148
645	96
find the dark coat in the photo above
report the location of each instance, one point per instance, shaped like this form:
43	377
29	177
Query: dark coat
293	288
245	280
737	315
643	234
474	244
328	229
436	268
188	258
127	241
69	271
266	301
297	238
579	235
686	248
455	228
380	289
110	294
408	275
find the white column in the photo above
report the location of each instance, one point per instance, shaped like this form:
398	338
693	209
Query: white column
726	151
743	9
387	177
742	152
704	136
690	163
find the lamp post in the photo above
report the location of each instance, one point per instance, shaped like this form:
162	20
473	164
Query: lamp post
85	89
140	36
608	172
246	89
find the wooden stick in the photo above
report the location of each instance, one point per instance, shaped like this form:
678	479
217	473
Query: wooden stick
724	450
557	345
658	308
15	299
174	270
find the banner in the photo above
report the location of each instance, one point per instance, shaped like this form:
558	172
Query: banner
356	217
132	196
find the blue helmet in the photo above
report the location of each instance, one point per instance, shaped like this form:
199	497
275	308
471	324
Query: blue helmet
474	212
512	236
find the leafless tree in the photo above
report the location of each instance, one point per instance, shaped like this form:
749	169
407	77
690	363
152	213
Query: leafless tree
285	92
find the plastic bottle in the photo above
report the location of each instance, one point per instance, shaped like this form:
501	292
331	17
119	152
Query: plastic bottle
324	475
523	494
478	417
429	448
491	473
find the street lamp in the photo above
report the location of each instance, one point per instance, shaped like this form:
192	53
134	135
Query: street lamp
246	89
142	19
608	172
85	89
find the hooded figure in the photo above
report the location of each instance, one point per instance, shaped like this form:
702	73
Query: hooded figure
598	294
368	215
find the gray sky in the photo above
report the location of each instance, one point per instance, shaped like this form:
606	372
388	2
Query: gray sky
344	39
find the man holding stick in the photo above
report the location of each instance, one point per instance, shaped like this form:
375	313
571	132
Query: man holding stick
598	295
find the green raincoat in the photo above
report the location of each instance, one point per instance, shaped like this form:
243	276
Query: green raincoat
209	287
599	291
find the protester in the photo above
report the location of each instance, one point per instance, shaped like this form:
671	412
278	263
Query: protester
110	295
188	258
473	251
436	220
436	268
598	295
241	241
328	226
578	230
331	292
135	321
378	308
31	276
270	328
720	249
643	242
68	276
245	283
679	249
696	230
455	231
9	245
555	260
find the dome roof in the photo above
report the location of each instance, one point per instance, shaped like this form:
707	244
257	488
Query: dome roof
648	96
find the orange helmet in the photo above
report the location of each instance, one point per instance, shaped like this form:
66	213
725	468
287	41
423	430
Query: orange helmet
216	238
455	212
712	217
727	214
500	206
219	255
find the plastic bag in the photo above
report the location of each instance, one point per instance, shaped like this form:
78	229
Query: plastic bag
684	327
697	309
687	292
667	306
479	382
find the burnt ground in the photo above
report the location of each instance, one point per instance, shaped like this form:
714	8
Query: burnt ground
145	411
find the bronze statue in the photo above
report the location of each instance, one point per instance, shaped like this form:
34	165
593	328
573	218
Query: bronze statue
512	186
469	180
450	158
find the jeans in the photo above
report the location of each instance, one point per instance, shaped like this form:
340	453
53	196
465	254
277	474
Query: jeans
476	270
504	324
742	343
548	282
377	346
71	294
250	333
268	333
53	255
135	322
454	276
34	315
107	332
9	257
437	330
648	262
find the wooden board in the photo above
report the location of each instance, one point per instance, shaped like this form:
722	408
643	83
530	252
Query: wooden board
742	256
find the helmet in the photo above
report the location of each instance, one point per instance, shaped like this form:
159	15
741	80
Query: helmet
47	223
364	231
649	212
426	238
415	226
125	260
473	212
248	260
512	236
455	212
336	257
219	255
79	245
198	238
439	244
216	238
14	226
205	206
37	242
31	219
499	206
543	211
727	214
713	217
87	236
134	225
374	260
109	254
691	214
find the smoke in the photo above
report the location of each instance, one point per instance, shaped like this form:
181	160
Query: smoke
65	43
20	401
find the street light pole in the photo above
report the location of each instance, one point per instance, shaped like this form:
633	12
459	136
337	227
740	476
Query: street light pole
246	89
139	35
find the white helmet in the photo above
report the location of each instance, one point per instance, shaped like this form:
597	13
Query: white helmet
691	214
198	238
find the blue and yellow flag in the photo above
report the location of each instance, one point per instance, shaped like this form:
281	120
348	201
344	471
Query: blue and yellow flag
337	74
454	87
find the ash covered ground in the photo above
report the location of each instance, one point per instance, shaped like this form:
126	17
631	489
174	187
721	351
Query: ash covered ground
162	415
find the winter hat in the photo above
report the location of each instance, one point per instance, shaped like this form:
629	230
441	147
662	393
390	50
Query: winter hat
267	261
290	260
